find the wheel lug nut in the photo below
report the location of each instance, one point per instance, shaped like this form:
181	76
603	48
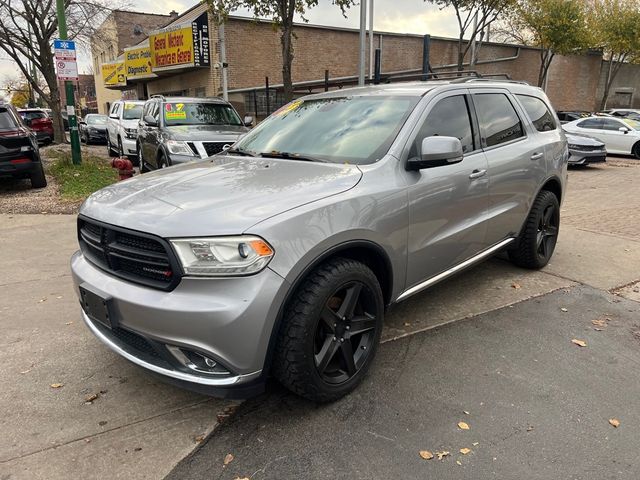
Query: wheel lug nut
344	319
364	348
342	339
348	327
335	325
334	339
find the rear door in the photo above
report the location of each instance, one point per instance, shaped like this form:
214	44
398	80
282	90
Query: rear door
112	123
516	160
447	204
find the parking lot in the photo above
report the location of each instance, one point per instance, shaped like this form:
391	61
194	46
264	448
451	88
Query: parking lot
74	409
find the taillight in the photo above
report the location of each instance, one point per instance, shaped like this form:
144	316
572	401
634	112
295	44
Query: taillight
16	161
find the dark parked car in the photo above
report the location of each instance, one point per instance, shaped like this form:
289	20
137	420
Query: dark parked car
39	121
181	129
19	154
584	150
93	129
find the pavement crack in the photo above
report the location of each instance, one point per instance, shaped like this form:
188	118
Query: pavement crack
114	429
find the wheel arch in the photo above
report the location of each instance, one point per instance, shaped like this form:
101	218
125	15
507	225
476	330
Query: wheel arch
365	251
553	185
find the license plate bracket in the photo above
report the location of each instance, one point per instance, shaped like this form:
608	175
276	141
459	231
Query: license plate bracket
97	305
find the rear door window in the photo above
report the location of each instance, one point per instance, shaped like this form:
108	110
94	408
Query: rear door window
612	125
499	122
538	112
448	118
592	124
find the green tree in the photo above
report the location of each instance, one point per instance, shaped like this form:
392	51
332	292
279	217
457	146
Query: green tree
555	26
282	13
474	18
616	27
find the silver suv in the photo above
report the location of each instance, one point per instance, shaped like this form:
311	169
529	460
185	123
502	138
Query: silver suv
280	256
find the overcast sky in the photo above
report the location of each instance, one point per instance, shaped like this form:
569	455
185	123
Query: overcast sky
403	16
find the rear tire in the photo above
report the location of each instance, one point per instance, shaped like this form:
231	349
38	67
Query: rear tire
110	151
141	164
120	148
636	150
38	179
537	241
330	331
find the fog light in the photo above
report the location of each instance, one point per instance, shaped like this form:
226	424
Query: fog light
197	361
209	363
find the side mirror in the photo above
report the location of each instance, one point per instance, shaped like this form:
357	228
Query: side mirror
248	121
150	121
113	116
624	130
437	152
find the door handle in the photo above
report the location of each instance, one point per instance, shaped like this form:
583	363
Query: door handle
537	156
477	174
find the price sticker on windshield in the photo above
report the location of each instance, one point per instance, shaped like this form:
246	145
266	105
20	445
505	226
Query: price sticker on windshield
175	115
289	107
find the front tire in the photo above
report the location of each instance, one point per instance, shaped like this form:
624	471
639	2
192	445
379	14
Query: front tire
636	150
110	151
537	241
330	331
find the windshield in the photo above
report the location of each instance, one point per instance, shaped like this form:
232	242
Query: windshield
132	111
95	119
632	123
32	115
200	114
356	130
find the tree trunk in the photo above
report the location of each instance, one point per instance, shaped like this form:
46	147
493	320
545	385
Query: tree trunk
460	54
612	72
546	57
287	61
53	100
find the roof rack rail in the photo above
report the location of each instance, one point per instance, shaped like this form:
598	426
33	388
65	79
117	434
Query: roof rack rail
431	76
157	95
489	79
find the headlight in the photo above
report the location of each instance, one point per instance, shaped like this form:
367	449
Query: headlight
131	133
223	256
179	148
574	147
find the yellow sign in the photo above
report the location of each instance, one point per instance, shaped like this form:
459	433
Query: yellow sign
113	74
137	61
181	46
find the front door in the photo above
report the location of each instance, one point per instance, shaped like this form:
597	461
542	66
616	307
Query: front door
447	204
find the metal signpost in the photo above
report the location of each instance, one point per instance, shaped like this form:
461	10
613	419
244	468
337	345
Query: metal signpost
67	67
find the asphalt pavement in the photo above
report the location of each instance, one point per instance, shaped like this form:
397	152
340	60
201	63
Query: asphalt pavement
538	405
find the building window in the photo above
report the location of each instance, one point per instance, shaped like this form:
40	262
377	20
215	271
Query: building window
199	92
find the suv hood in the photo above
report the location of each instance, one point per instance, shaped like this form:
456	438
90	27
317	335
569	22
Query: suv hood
205	133
223	195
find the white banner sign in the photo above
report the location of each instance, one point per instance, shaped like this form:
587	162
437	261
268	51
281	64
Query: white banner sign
67	69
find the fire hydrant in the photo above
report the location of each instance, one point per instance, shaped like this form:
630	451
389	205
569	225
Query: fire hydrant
124	166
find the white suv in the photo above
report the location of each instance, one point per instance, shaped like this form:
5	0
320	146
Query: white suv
122	128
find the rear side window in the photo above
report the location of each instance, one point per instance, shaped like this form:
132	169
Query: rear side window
593	123
538	113
7	122
612	125
449	118
499	122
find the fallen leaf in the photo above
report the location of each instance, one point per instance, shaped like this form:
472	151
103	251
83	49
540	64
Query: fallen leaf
68	323
242	478
25	371
91	398
44	299
515	285
598	329
407	324
564	309
102	423
530	428
426	454
199	439
465	412
459	462
580	343
442	454
228	459
475	444
601	322
465	451
463	426
57	385
614	422
137	449
59	297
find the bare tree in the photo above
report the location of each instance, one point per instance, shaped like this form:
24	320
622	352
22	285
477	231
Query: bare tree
27	31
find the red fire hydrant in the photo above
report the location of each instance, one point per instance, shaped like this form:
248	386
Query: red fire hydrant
124	166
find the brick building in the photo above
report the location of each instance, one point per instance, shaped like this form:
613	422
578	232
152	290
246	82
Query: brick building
253	54
121	29
84	93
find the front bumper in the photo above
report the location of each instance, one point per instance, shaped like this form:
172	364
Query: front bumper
97	136
180	159
229	320
129	146
580	157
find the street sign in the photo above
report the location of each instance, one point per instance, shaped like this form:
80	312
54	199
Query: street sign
67	69
64	49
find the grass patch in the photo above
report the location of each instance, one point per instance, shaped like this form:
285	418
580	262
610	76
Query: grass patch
77	182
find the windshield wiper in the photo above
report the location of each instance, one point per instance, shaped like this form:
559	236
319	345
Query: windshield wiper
291	156
239	151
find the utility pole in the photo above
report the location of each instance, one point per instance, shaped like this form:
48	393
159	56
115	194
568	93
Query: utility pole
371	50
76	155
363	41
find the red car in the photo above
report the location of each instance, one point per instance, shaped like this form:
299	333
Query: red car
38	121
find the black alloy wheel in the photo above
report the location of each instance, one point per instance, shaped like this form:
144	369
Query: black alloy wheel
330	331
548	228
346	332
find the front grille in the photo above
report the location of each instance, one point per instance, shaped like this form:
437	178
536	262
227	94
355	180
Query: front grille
214	147
135	341
134	256
586	148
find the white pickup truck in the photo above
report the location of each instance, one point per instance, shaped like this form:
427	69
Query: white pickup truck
122	128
